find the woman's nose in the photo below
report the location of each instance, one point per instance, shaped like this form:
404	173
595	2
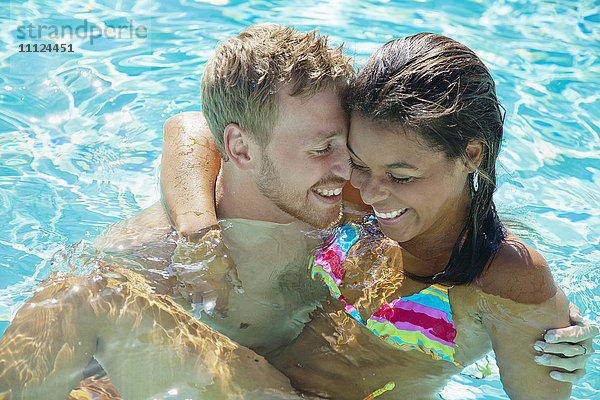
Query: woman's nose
371	188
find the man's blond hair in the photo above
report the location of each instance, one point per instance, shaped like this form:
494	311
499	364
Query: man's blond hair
241	82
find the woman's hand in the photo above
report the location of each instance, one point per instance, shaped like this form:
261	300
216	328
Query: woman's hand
568	348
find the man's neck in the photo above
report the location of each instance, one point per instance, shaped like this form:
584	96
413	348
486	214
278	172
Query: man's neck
236	196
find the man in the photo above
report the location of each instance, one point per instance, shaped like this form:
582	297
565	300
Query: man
147	344
285	165
284	180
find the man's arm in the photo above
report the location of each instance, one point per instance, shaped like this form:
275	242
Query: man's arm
147	344
568	348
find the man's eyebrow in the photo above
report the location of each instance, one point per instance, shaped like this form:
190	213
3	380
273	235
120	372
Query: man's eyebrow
322	136
389	166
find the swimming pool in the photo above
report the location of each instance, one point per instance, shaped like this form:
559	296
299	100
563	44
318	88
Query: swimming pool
80	132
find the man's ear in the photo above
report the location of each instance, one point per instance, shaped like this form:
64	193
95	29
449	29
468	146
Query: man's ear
475	150
237	146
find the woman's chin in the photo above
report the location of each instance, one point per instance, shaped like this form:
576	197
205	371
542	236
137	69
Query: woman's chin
396	235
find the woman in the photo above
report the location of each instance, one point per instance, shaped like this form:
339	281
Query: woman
425	132
448	282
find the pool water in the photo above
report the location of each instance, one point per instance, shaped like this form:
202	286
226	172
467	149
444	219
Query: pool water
81	131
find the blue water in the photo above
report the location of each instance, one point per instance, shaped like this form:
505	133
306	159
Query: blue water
81	132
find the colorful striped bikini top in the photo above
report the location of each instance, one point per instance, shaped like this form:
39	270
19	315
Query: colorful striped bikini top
422	321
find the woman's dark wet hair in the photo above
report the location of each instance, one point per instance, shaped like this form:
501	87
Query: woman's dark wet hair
439	88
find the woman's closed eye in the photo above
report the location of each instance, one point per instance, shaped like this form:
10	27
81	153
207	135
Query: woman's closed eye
391	177
400	179
354	165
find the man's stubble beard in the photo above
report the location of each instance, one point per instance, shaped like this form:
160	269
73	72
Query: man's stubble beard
293	202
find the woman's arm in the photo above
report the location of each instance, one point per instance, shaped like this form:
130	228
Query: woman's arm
189	169
519	302
190	165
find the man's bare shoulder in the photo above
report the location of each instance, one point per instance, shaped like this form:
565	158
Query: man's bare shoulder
519	273
149	225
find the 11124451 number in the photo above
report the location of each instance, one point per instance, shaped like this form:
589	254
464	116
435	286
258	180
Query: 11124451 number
45	48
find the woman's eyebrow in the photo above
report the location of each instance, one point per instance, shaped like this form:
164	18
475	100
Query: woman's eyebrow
389	166
401	165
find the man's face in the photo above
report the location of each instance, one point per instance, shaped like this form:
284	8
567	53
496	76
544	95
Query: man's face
305	165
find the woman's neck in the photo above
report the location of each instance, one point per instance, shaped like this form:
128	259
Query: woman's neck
429	253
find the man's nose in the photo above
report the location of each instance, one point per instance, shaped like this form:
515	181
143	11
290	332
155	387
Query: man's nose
341	166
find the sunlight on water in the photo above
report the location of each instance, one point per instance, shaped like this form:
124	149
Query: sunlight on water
81	132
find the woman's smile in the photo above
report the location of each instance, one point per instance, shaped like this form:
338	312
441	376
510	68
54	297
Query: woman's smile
413	189
390	217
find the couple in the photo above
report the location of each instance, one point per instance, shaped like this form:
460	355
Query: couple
424	119
425	131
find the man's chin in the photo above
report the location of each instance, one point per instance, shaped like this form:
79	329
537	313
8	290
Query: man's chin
325	220
313	213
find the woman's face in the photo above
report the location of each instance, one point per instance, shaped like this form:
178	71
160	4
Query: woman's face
413	189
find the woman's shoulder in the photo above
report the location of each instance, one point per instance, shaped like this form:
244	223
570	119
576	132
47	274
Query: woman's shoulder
519	273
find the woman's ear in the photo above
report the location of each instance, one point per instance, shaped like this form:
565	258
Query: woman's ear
237	146
475	150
